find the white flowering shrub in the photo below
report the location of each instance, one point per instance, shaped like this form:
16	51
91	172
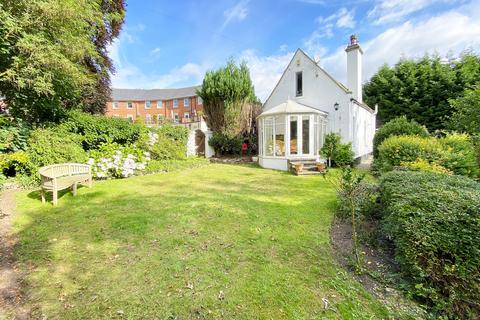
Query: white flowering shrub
112	160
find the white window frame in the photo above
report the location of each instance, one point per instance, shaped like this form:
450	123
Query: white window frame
186	103
115	105
130	117
186	116
159	104
148	104
176	117
199	100
129	105
175	103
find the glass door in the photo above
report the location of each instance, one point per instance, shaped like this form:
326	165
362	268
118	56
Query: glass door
301	132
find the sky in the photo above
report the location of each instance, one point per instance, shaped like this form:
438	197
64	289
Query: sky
171	44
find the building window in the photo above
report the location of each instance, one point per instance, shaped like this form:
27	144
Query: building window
148	119
175	103
186	103
130	117
115	104
279	136
299	84
187	116
159	104
268	131
175	117
130	105
147	104
200	101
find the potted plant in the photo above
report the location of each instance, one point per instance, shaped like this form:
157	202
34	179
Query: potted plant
298	167
321	167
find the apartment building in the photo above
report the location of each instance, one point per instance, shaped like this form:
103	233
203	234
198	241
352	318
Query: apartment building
180	105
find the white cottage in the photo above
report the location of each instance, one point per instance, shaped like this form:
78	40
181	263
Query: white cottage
308	103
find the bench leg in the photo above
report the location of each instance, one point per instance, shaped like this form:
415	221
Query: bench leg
55	197
74	189
43	196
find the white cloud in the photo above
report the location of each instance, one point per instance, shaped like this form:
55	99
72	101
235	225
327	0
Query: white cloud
236	13
155	51
265	70
346	19
450	32
386	11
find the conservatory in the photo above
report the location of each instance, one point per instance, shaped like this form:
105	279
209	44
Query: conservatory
288	132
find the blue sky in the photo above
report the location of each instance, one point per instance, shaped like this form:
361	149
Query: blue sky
168	44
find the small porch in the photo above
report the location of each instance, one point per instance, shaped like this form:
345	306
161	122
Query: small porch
290	132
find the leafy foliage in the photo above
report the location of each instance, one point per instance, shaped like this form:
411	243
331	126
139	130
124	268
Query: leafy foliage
13	135
400	126
455	153
420	89
95	130
434	221
334	150
226	145
466	114
16	163
50	146
53	55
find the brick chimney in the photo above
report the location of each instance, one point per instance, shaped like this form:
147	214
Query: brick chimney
354	68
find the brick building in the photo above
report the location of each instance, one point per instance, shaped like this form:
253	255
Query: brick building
180	105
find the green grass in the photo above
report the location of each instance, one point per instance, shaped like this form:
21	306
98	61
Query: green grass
131	248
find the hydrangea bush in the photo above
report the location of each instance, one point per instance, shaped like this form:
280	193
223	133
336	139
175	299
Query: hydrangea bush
112	160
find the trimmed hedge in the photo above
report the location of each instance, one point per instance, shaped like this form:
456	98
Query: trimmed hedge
225	145
434	222
400	126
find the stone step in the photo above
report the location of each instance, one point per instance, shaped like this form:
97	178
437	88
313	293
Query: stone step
308	173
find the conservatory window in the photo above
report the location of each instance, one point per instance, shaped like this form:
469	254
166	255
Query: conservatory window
306	134
280	136
293	134
268	133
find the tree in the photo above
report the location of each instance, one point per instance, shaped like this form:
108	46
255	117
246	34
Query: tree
53	55
466	114
420	89
229	99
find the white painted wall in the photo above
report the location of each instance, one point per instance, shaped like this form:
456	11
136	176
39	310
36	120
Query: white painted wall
320	91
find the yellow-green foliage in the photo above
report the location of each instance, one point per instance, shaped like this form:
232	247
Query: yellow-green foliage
424	165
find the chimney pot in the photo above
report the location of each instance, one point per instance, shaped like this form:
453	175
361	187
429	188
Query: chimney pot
353	39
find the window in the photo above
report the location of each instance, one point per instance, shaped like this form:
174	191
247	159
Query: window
175	103
147	104
293	135
279	135
306	134
115	104
268	130
299	84
175	117
200	101
130	105
186	103
148	119
159	104
187	116
130	117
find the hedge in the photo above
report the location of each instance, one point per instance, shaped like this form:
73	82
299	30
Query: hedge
434	222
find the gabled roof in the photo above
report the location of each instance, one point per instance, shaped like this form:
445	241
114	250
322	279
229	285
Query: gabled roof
290	107
152	94
340	85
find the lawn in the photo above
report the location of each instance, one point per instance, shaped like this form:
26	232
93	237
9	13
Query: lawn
216	242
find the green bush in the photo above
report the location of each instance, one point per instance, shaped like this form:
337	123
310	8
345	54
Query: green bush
400	126
333	149
434	222
225	145
16	164
455	153
13	135
95	129
175	133
49	146
460	155
424	165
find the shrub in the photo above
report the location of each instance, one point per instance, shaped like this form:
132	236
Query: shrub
13	135
165	143
455	153
16	164
95	129
49	146
112	160
424	165
434	222
225	145
460	155
333	149
400	126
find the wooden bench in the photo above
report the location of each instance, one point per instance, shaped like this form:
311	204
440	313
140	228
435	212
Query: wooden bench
63	176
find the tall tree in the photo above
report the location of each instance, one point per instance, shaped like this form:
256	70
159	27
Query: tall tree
420	89
229	99
53	55
466	115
